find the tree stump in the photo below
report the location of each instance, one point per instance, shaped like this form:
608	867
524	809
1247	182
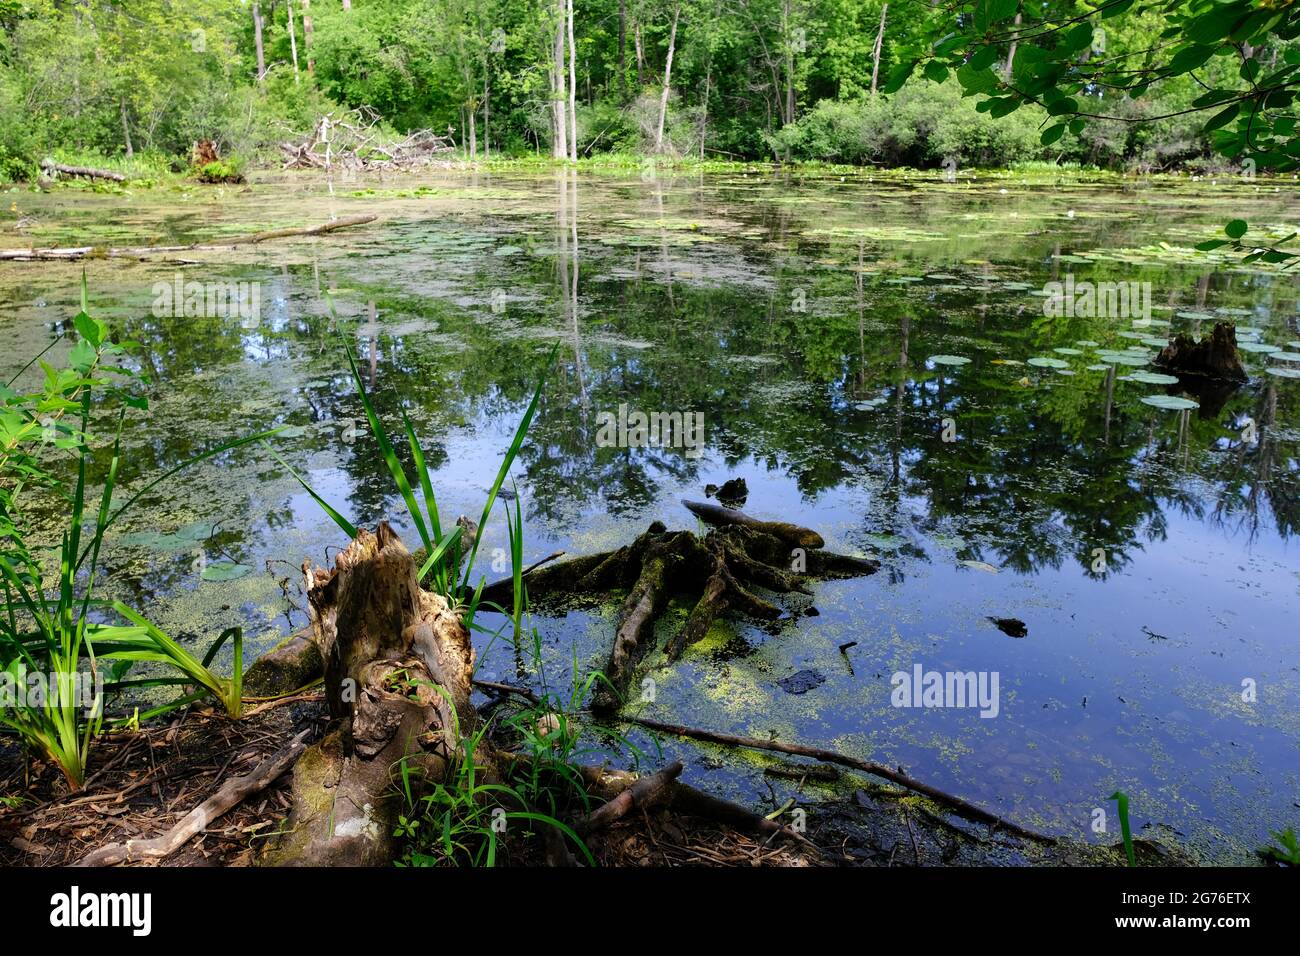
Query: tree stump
1215	356
398	666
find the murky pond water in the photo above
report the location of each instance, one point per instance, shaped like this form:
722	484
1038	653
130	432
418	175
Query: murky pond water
871	354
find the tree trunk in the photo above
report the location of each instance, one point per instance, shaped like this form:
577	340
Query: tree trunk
559	95
622	49
487	101
788	111
472	112
668	72
126	127
307	34
257	41
1011	51
573	86
398	669
640	56
875	50
293	43
704	107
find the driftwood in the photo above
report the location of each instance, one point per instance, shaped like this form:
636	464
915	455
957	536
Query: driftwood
139	252
959	806
231	794
1215	356
398	666
88	172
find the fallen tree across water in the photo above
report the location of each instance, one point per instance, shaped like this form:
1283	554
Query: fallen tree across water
140	252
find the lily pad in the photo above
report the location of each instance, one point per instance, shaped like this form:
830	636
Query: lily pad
1258	348
1170	403
979	566
1044	361
1151	378
1283	371
224	571
949	360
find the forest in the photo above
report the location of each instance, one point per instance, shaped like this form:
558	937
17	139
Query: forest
713	80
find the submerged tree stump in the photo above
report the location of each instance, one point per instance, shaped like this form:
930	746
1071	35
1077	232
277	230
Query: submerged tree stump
398	666
719	572
1215	356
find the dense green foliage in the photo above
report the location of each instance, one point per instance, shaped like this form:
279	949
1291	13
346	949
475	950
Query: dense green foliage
1117	83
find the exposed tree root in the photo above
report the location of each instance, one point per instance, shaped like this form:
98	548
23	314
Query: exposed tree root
719	571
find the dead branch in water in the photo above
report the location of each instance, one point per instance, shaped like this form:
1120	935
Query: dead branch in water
139	252
956	804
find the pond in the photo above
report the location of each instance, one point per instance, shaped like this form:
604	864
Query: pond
883	357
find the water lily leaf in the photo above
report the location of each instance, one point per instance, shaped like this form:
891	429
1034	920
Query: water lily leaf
1044	361
1066	350
948	360
1171	403
1285	356
1151	378
224	571
1258	348
1283	371
979	566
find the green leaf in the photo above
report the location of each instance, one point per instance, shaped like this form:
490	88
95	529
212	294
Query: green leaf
82	356
89	329
983	57
1052	134
935	71
898	77
1223	118
1235	229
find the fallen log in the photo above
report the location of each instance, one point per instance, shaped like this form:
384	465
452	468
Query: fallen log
793	534
139	252
50	166
233	792
956	804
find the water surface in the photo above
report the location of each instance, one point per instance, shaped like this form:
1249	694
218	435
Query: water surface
1149	551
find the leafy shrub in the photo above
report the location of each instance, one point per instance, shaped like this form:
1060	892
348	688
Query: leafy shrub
921	125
